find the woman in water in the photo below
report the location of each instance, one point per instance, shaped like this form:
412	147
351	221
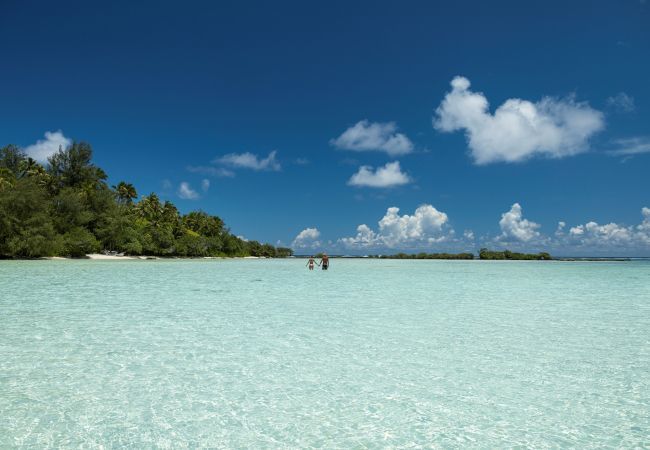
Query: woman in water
310	263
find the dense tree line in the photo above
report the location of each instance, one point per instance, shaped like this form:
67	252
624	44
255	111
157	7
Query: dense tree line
66	208
484	253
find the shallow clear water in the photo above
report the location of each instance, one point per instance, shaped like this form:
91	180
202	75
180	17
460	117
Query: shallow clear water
261	353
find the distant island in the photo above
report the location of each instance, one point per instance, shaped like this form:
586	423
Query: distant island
484	253
66	208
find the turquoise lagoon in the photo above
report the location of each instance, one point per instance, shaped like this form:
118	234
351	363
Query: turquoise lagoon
371	354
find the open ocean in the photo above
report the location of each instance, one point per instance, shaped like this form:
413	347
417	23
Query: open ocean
370	354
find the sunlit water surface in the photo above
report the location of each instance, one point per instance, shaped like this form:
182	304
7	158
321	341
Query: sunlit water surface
262	353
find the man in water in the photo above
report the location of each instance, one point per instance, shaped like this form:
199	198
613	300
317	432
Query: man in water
324	261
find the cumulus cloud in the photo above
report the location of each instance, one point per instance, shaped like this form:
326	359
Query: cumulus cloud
515	228
251	161
389	175
44	148
186	192
518	129
621	102
428	228
594	234
205	185
611	235
590	238
307	238
425	227
644	228
373	136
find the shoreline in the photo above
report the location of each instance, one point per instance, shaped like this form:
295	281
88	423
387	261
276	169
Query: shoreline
103	257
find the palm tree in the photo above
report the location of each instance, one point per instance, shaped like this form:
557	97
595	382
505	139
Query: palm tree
29	167
125	192
149	208
7	179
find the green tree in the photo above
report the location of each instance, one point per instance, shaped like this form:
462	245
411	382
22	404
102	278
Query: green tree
11	157
79	241
72	167
26	227
67	208
126	192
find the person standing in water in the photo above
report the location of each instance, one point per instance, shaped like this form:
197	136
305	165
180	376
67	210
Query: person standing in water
324	261
310	263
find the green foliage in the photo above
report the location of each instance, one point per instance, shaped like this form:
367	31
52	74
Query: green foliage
283	252
125	192
67	209
484	253
26	225
11	157
71	167
79	242
204	224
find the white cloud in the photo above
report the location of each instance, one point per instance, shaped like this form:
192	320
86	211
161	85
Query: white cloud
643	229
44	148
593	234
205	185
387	176
622	102
365	237
594	237
631	146
366	136
515	228
425	227
251	161
428	228
186	192
518	129
210	170
590	238
307	238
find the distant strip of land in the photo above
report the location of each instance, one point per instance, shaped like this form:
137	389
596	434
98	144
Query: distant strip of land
483	254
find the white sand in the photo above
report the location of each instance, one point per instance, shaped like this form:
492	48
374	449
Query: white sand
113	257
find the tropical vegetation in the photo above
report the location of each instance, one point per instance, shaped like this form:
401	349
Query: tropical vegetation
66	208
484	253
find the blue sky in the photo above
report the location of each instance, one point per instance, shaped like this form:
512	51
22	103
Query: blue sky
296	115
